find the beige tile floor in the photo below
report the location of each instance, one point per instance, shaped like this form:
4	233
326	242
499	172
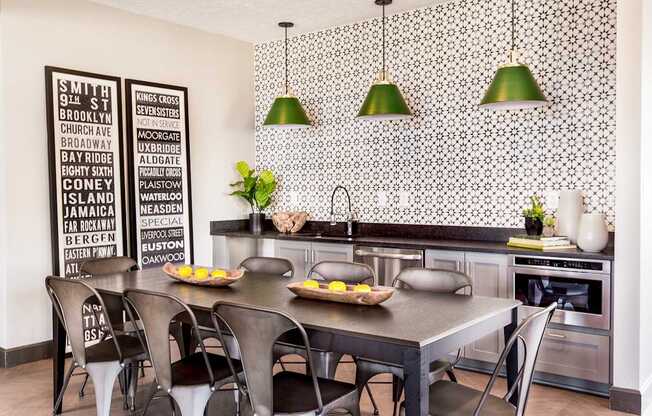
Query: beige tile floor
27	390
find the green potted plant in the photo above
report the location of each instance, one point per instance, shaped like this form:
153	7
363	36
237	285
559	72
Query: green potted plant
549	223
534	216
257	190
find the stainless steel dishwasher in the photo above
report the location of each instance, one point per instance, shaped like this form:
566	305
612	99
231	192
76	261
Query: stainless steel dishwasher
387	262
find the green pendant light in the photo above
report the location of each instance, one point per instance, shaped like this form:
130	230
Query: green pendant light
384	100
286	112
513	86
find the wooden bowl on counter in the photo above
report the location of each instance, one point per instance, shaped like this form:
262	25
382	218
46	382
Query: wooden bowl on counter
290	222
378	294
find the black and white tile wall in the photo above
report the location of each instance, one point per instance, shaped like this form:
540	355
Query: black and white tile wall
460	165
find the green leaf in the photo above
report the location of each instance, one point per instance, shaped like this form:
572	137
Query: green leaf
263	199
267	176
243	168
243	195
238	183
250	183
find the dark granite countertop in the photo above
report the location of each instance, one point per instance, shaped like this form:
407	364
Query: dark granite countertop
480	240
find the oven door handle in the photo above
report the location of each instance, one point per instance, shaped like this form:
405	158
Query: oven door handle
555	336
362	253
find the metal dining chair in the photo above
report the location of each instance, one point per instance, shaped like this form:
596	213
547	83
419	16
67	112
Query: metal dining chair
452	399
267	265
430	280
190	381
104	360
325	362
102	266
256	330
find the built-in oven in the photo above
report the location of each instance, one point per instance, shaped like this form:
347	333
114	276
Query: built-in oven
581	289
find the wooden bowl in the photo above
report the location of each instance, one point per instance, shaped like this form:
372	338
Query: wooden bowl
232	276
377	295
289	222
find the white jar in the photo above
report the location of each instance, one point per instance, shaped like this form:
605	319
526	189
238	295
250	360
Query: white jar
569	211
592	235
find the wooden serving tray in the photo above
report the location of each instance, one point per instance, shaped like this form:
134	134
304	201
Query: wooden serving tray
232	276
376	296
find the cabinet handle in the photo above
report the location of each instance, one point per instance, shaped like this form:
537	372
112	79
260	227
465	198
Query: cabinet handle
557	336
305	256
313	256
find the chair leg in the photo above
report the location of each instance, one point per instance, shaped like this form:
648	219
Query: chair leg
373	400
451	375
236	394
83	386
192	400
103	375
133	386
397	391
152	393
66	380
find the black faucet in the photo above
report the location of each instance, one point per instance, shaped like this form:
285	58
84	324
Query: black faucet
351	218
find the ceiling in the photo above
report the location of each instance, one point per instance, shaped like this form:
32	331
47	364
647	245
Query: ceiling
256	20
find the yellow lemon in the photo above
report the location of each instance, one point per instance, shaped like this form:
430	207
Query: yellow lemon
185	271
311	283
337	286
201	273
362	288
218	273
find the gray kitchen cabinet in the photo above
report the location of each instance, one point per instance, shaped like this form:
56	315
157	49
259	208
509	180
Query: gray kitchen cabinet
304	255
488	272
445	259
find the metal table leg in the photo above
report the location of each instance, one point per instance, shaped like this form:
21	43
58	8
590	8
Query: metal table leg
511	362
58	358
416	368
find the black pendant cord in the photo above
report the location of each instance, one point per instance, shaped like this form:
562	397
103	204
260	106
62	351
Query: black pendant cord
286	61
384	69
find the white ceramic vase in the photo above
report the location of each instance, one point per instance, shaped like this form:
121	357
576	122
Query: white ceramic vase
569	211
592	235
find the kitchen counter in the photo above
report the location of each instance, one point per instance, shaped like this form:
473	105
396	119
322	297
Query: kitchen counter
408	241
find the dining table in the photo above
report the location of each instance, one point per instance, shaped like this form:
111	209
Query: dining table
412	329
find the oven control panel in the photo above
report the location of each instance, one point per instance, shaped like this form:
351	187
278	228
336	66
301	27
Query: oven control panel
561	263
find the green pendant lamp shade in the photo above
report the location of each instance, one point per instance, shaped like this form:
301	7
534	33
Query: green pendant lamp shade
384	100
513	86
286	111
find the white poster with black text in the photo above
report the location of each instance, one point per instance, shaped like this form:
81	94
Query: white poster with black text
159	169
86	188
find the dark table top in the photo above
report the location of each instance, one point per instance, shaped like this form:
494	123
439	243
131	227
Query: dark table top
410	318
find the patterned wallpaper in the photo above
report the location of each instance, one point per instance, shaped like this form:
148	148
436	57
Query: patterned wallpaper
459	165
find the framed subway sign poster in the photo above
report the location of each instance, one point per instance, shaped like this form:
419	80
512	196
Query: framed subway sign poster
159	173
84	116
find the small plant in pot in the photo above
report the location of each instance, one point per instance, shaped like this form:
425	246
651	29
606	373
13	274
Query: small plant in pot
257	190
534	216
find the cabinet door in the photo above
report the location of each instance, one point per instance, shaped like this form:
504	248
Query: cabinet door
331	252
298	252
446	260
488	273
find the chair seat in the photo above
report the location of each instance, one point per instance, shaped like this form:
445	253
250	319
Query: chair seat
191	370
453	399
295	393
105	350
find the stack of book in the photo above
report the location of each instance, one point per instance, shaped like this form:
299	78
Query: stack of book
537	242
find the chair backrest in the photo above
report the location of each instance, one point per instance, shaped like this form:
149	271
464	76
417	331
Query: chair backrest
68	298
156	310
256	330
432	280
529	334
344	271
269	265
107	265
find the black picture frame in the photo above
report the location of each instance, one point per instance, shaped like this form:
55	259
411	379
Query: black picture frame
52	165
134	228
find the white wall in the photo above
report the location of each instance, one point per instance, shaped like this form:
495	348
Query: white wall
3	195
77	34
645	341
